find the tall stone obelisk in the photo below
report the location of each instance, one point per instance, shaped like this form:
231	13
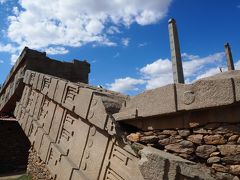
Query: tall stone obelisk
178	76
228	53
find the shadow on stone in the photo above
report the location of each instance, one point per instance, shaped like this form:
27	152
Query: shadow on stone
14	147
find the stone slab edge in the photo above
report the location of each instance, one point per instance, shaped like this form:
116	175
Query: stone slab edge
220	90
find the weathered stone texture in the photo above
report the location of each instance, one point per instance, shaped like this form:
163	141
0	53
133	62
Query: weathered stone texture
11	91
37	169
82	132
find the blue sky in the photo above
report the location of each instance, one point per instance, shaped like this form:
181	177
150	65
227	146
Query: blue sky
125	41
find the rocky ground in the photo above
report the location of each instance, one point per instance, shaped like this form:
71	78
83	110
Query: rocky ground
217	145
37	168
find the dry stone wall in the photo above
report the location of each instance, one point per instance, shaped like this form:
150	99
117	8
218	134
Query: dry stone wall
78	131
216	145
72	130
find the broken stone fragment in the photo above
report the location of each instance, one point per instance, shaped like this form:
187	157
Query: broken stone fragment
204	151
134	137
193	124
201	131
195	138
232	159
162	136
227	150
220	168
148	139
214	154
186	156
148	133
184	132
169	140
184	146
238	141
213	159
235	169
233	138
214	139
227	129
169	132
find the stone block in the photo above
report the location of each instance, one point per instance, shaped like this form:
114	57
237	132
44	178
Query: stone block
56	123
38	139
52	88
69	141
228	150
53	158
236	81
25	96
40	82
82	102
60	88
47	121
28	125
120	163
19	112
46	113
38	104
33	131
78	175
44	147
97	113
32	98
205	93
35	82
94	153
66	168
26	78
69	95
150	103
46	81
23	120
77	144
29	77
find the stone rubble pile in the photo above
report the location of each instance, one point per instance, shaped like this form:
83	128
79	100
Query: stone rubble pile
217	145
37	168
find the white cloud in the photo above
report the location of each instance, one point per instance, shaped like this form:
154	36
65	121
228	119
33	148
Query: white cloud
125	84
159	72
125	41
94	27
142	44
74	23
209	72
186	56
7	48
194	65
1	61
237	65
56	50
113	30
157	68
14	58
15	11
2	1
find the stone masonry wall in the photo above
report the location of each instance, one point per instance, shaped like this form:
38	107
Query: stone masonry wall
215	145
